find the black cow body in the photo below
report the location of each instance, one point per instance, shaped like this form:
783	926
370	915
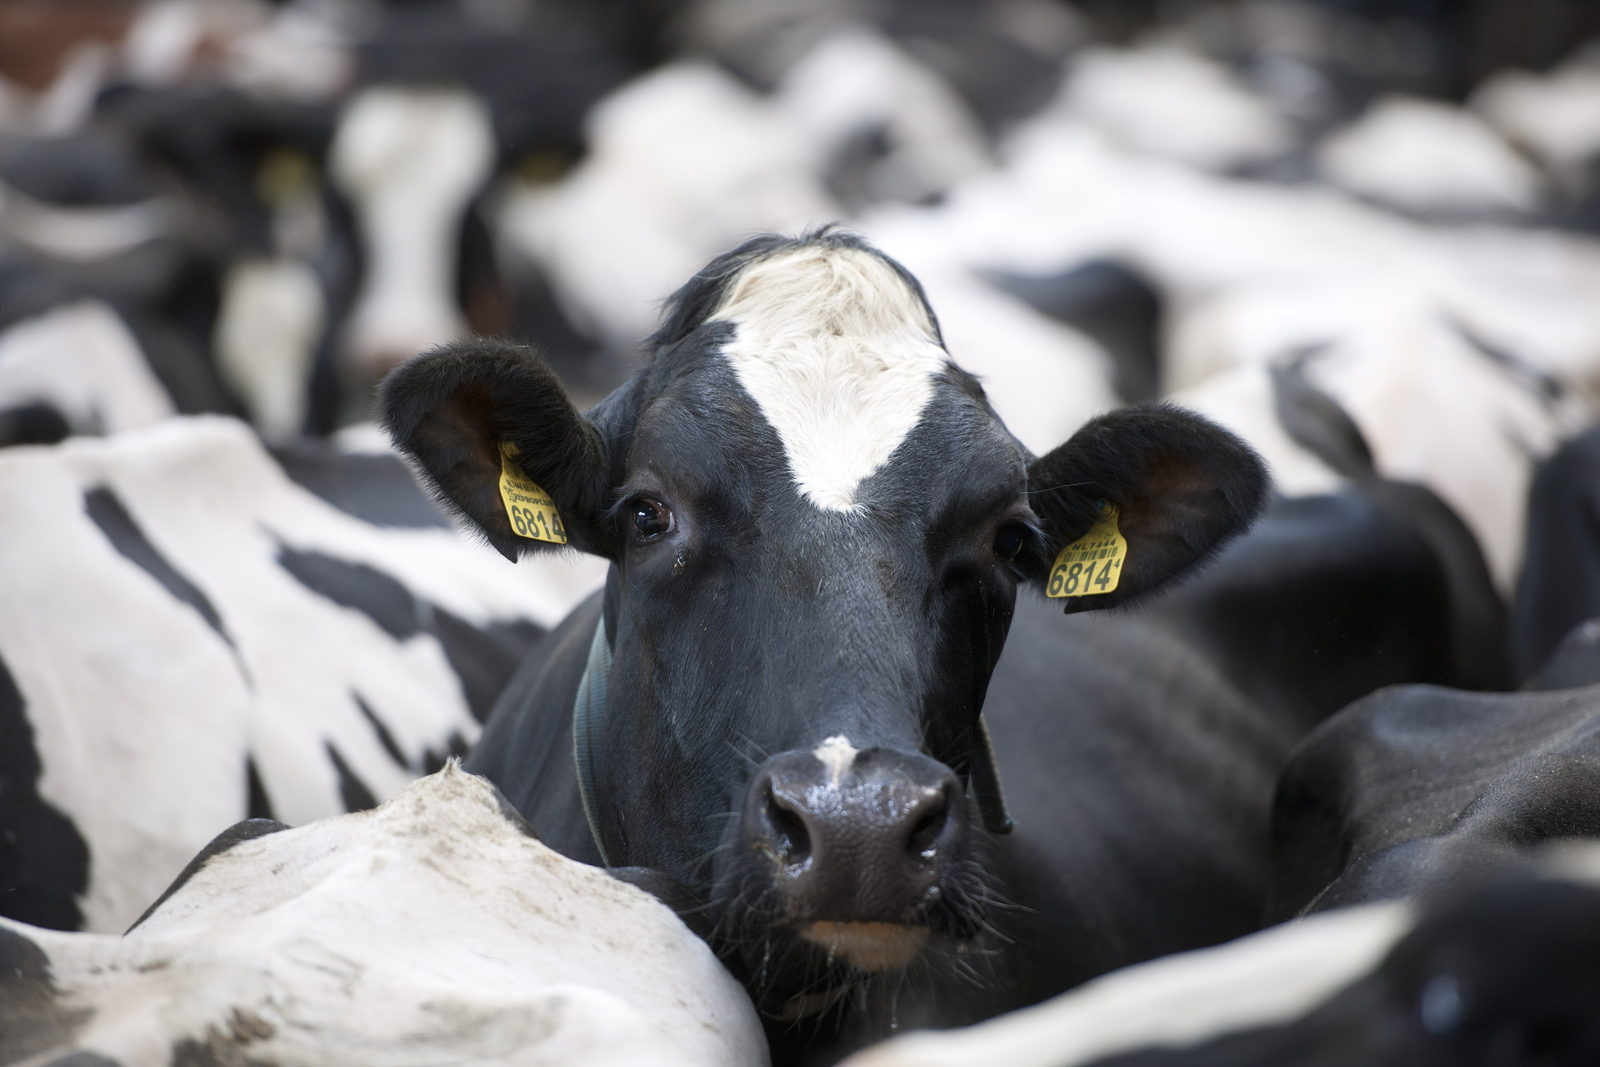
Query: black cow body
790	720
1416	790
1504	973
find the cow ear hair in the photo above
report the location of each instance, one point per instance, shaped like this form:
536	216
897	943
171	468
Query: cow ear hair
1183	487
449	409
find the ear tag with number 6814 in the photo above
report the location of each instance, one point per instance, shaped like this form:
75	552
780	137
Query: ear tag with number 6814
532	513
1093	563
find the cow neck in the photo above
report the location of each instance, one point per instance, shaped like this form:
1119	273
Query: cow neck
587	709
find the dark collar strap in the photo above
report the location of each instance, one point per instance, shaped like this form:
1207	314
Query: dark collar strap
587	710
985	771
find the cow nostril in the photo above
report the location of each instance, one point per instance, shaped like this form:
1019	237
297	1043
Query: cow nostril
925	835
790	838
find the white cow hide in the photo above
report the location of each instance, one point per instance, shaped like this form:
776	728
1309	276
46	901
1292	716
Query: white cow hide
81	360
858	80
143	713
268	326
1174	103
411	160
83	234
1555	116
431	930
1428	157
683	163
1253	273
1271	977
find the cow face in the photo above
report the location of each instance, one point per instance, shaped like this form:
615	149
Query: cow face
817	527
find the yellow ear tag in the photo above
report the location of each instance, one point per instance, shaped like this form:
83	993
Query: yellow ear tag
532	513
1093	563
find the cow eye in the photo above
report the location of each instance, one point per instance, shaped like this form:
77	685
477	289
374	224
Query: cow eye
652	518
1008	541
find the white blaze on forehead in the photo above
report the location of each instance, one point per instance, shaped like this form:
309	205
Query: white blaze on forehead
840	354
836	754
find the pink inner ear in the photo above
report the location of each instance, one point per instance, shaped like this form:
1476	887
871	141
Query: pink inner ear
1171	486
465	426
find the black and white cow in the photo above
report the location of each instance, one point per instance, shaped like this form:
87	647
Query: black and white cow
817	530
189	638
85	221
1501	973
434	926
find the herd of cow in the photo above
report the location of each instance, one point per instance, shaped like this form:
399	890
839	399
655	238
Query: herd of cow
1132	596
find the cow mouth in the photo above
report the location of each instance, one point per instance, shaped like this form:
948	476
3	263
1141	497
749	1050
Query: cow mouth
868	946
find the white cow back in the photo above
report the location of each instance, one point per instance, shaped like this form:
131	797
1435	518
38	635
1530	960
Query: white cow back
429	930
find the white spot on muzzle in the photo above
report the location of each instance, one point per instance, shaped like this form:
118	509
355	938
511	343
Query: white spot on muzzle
840	354
836	754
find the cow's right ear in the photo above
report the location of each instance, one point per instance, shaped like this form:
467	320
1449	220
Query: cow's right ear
1182	487
451	408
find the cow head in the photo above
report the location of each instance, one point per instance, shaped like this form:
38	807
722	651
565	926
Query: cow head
817	528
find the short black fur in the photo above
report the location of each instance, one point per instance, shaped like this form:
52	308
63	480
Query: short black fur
449	409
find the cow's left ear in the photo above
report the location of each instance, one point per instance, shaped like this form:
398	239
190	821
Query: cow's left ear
1181	485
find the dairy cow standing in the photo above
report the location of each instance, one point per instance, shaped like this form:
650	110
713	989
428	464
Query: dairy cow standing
817	530
771	465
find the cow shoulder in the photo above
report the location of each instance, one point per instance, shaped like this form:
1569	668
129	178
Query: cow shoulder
33	1015
1416	789
1574	663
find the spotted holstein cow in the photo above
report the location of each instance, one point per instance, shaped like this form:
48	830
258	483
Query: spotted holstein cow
435	926
188	638
817	530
